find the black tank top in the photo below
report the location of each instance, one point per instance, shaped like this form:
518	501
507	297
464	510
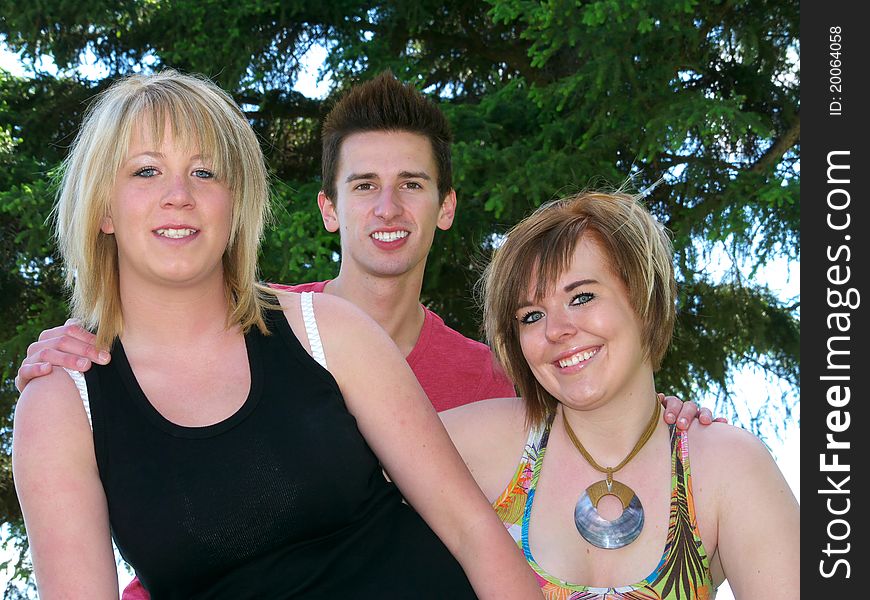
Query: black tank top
282	499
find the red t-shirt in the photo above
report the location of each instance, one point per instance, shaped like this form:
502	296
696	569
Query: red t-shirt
452	369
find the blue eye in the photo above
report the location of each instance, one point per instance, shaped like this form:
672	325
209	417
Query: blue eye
530	317
145	172
203	174
582	298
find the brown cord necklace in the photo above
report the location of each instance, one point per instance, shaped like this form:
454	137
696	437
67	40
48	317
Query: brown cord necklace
594	528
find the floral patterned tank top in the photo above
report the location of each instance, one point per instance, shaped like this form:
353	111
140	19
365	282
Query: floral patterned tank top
683	572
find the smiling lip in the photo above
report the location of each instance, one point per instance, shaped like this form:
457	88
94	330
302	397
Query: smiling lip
574	358
175	232
389	236
390	239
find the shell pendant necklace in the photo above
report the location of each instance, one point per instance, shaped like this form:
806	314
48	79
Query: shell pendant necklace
594	528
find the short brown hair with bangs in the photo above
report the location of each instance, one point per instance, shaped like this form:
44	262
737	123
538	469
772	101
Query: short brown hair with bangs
385	104
541	245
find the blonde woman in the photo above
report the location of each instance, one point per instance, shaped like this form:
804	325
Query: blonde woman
606	500
233	447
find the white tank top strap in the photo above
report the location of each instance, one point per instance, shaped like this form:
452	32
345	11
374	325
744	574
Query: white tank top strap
311	329
81	385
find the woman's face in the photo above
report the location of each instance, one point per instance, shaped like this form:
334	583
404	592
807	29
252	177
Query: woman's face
171	216
583	340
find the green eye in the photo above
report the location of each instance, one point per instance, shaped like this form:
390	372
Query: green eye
531	317
582	298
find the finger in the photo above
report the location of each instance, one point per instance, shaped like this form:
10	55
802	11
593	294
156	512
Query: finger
688	412
55	349
26	373
60	358
670	415
47	334
71	329
705	416
720	420
675	409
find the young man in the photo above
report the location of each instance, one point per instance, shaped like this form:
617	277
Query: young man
387	188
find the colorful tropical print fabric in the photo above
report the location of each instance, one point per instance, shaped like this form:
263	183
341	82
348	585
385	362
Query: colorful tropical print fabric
683	573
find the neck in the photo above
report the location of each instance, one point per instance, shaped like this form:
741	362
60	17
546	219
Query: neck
393	302
611	430
167	317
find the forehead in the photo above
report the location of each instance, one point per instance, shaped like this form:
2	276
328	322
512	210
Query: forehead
150	131
589	256
587	260
386	152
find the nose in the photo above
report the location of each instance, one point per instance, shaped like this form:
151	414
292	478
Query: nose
559	326
178	194
387	206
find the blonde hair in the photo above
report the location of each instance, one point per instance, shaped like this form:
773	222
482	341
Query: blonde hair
197	111
542	245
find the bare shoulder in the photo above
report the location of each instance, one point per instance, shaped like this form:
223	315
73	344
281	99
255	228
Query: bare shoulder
501	415
50	429
726	458
336	319
490	436
49	401
290	303
330	311
722	444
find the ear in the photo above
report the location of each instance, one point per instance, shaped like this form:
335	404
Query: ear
447	211
328	212
107	226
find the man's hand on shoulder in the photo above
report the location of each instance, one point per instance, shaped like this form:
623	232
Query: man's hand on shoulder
682	413
69	346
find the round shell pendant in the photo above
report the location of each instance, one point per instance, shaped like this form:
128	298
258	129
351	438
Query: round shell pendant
597	530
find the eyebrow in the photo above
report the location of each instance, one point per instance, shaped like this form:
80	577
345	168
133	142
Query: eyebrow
414	175
567	289
354	176
573	285
150	154
402	175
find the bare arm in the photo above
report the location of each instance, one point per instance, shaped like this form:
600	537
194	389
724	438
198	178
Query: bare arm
403	430
60	492
68	346
490	436
757	514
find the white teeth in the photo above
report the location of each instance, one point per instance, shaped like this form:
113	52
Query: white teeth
175	233
392	236
577	358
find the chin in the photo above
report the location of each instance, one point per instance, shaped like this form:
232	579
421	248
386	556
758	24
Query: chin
580	399
391	269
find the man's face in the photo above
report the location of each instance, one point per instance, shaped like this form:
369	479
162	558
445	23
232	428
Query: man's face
387	206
